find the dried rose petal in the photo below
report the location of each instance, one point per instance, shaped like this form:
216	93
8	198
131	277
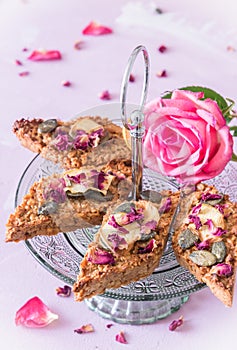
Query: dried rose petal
34	314
230	48
210	196
117	242
109	325
196	220
78	45
176	323
131	78
24	49
203	245
100	257
222	269
64	291
23	74
148	248
114	223
18	63
161	74
66	83
197	209
120	337
55	191
94	28
105	95
45	55
87	328
166	206
221	207
162	48
219	232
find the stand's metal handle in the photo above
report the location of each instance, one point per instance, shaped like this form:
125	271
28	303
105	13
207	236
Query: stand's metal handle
135	122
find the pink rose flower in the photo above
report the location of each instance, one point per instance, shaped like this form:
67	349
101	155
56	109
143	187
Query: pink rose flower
186	137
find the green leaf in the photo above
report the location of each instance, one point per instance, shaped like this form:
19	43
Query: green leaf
234	157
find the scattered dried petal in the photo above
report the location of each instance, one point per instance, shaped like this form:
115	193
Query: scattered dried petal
161	74
45	55
203	245
109	325
158	10
94	28
64	291
66	83
25	49
230	48
78	45
34	314
120	337
23	74
105	95
131	78
176	323
88	328
18	63
162	48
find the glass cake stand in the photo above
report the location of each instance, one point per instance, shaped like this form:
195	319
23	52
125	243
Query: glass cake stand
141	302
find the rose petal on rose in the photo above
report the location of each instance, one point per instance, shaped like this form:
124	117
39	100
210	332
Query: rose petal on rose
223	154
64	291
187	95
45	55
34	314
120	337
96	29
87	328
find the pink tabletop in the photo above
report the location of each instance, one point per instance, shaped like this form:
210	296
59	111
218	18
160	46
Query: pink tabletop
197	36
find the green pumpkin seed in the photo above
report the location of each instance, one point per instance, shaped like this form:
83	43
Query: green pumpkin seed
219	250
91	194
213	202
187	239
145	237
48	208
47	126
203	258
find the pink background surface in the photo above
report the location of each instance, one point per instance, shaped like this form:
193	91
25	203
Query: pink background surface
197	35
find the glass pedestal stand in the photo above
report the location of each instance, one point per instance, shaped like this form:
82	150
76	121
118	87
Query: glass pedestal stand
134	312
